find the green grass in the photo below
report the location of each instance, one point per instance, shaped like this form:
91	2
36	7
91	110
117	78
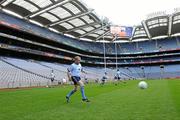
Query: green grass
161	101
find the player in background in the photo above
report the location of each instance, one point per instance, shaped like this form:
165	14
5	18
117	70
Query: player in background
117	77
52	77
74	74
104	78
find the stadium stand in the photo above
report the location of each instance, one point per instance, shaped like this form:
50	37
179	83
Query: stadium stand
27	73
23	73
152	72
13	76
37	40
124	48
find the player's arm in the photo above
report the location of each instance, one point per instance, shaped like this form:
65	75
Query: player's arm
69	74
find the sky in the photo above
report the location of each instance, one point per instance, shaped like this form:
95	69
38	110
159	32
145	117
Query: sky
130	12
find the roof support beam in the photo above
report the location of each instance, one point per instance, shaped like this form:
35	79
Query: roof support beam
52	1
71	18
48	8
7	3
102	35
170	25
146	29
1	2
133	32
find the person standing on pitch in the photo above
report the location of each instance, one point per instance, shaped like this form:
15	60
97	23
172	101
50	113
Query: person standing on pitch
52	77
74	74
118	75
104	78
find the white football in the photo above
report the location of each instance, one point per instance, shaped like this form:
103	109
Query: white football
143	85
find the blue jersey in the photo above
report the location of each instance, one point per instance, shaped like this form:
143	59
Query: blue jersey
75	70
105	77
118	74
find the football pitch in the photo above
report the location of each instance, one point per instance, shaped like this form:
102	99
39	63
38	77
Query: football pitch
161	101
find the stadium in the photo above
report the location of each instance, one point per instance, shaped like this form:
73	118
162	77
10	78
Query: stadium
40	39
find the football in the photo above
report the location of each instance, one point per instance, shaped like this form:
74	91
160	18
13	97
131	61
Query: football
143	85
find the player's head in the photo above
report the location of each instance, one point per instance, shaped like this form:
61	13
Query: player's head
117	69
52	71
77	60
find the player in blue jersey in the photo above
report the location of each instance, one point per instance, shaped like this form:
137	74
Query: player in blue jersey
117	77
104	78
74	74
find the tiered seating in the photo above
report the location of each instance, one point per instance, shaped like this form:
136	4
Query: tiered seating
146	46
38	68
11	77
169	43
23	73
30	66
169	71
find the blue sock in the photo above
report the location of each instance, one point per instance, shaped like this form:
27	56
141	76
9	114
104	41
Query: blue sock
71	93
83	93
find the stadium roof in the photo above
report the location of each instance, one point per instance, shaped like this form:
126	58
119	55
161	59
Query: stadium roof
73	18
69	17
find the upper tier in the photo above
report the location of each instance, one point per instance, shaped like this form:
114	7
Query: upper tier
122	48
